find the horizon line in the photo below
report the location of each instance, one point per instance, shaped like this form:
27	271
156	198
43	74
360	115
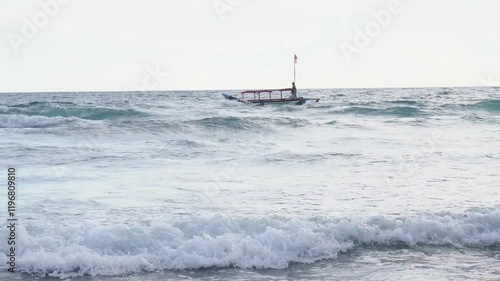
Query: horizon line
221	90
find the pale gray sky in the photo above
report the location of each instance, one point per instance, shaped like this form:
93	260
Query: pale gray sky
87	45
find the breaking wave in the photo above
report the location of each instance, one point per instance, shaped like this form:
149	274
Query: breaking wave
41	114
245	123
68	110
40	104
405	102
224	123
488	105
219	241
399	111
23	121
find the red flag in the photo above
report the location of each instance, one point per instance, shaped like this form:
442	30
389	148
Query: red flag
295	57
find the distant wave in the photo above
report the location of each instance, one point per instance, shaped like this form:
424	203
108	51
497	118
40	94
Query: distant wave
488	105
445	92
40	104
485	106
399	111
219	241
245	123
41	114
224	122
23	121
405	102
121	118
68	109
306	157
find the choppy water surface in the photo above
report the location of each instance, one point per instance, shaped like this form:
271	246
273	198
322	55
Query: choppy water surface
388	184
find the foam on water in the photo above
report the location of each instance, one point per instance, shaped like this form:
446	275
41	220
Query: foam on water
224	123
23	121
69	110
398	111
44	114
120	183
220	241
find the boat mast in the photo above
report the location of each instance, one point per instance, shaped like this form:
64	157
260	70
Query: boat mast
294	75
294	64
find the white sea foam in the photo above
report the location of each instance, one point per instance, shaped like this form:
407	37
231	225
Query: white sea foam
94	160
23	121
201	242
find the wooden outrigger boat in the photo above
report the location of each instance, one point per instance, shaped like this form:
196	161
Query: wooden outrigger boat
275	96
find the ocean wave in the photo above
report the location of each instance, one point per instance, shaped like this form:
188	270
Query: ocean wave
219	241
445	92
487	105
246	123
405	102
287	156
229	122
69	110
399	111
22	121
40	104
93	113
121	119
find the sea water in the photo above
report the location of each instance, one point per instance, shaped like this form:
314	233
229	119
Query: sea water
367	184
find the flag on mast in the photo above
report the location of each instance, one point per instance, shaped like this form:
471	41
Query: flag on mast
295	57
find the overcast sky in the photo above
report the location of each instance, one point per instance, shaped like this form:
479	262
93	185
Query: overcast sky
116	45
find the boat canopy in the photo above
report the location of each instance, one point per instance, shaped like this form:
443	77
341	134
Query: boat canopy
266	91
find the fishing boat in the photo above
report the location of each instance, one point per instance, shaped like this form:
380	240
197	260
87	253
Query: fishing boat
273	96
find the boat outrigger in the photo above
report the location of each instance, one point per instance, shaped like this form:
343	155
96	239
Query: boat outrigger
274	96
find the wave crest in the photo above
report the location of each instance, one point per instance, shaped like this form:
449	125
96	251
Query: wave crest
488	105
34	122
246	123
218	241
399	111
68	110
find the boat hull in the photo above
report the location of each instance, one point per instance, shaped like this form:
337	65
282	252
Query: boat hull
299	101
277	102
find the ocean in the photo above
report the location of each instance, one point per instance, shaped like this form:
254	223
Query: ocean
367	184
